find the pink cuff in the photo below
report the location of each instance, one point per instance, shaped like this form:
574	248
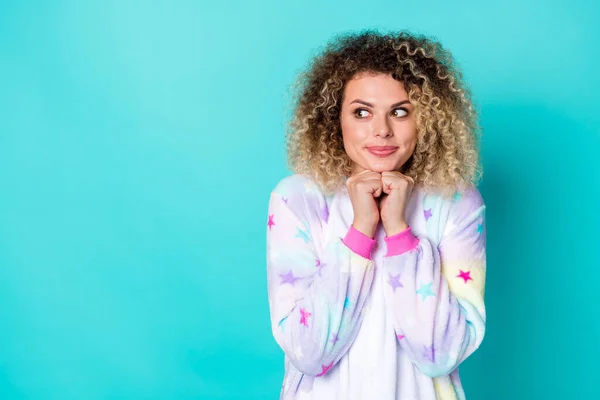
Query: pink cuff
358	242
401	242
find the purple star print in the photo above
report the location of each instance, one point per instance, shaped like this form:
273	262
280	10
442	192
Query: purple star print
325	213
427	214
429	353
394	281
288	278
334	338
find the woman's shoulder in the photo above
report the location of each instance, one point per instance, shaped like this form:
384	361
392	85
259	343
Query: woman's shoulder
466	202
456	204
468	196
296	185
302	197
468	199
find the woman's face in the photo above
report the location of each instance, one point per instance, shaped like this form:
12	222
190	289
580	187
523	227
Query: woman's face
376	112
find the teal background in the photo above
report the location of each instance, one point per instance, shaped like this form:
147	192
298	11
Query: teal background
139	141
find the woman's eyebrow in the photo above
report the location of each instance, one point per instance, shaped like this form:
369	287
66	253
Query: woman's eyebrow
371	105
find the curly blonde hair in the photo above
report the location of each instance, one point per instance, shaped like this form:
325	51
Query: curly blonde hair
446	157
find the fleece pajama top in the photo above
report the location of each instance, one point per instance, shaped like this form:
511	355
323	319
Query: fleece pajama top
381	318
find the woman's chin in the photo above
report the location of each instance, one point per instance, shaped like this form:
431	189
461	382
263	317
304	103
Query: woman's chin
384	167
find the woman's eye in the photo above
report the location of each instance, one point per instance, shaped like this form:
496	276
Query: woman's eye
358	110
402	109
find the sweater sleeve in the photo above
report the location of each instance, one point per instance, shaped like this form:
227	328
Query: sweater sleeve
436	294
316	293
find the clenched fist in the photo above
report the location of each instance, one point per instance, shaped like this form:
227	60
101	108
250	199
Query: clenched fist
376	196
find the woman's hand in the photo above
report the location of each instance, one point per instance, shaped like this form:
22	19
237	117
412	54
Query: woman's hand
363	188
397	189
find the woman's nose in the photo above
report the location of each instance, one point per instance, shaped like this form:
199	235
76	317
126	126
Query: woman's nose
383	128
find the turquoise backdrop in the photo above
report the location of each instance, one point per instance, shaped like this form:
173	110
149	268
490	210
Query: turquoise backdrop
139	141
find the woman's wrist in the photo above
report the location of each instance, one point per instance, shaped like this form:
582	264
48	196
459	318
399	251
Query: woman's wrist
365	228
391	230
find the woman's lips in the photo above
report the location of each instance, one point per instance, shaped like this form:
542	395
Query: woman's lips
382	151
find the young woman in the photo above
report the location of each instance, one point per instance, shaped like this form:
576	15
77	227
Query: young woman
376	244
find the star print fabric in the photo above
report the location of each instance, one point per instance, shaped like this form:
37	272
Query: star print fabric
388	317
315	294
436	292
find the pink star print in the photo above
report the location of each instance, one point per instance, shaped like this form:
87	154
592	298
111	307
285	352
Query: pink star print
325	368
303	319
320	265
466	275
271	222
427	214
399	336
